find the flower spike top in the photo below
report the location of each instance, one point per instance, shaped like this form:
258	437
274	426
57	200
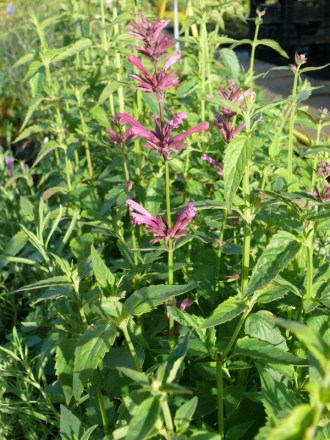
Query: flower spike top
119	137
157	225
223	121
160	140
156	43
159	82
209	159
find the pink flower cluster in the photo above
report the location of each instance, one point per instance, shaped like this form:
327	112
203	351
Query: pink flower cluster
237	96
158	226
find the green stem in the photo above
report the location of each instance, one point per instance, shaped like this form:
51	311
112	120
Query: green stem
310	268
317	142
131	347
250	73
221	427
202	66
168	196
103	411
86	145
167	415
247	230
291	125
221	236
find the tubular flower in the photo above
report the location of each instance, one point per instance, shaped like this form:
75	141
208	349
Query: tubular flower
157	225
323	169
161	140
161	81
223	120
9	162
209	159
323	196
155	42
121	137
184	304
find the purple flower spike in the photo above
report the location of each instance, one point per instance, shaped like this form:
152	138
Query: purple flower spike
140	216
213	162
158	83
157	225
183	219
161	140
156	43
120	137
223	121
9	162
323	169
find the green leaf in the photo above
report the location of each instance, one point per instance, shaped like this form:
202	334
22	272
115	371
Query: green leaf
49	282
91	348
16	243
262	350
64	366
46	149
81	245
144	420
184	415
33	129
23	60
27	208
231	62
226	311
226	103
103	275
70	426
154	194
32	107
258	325
311	339
69	51
281	249
237	154
184	318
276	396
273	45
137	376
100	116
148	298
295	425
108	90
176	358
312	69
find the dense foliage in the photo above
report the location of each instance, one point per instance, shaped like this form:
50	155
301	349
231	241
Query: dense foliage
164	238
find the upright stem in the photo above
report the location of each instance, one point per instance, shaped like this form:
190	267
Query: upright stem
167	414
121	101
291	125
203	63
103	411
169	246
131	347
250	72
221	427
106	54
318	136
247	229
310	268
221	236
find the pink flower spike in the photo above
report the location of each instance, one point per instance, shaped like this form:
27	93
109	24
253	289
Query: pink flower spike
185	303
213	162
140	216
183	219
173	59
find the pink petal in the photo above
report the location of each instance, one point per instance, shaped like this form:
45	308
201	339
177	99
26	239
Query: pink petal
173	59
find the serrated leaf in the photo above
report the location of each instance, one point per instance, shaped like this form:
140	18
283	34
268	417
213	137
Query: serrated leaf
27	208
70	426
273	45
33	129
184	415
237	154
103	275
90	350
262	350
226	311
32	107
46	149
231	62
312	340
281	249
148	298
144	420
295	425
100	116
107	91
64	366
259	326
49	282
68	51
184	318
